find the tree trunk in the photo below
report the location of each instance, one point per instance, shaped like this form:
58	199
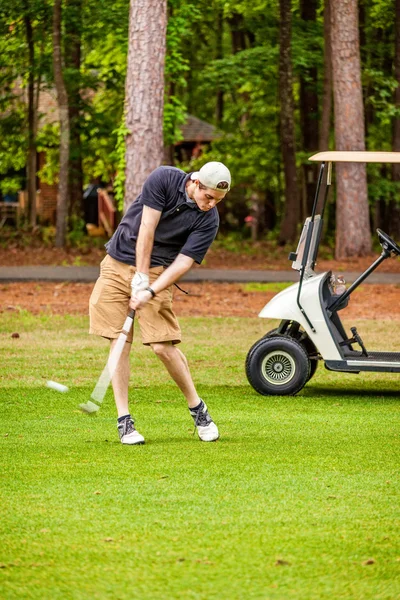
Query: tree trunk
62	98
269	212
309	111
257	211
327	89
288	232
32	157
72	53
395	206
219	114
353	234
238	34
144	93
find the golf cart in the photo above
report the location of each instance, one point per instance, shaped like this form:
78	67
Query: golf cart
310	329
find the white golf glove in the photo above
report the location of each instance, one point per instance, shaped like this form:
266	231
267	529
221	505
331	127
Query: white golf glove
140	281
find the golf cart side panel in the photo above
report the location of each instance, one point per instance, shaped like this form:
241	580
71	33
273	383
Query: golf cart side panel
284	306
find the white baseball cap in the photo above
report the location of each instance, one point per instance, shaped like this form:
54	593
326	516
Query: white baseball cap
214	175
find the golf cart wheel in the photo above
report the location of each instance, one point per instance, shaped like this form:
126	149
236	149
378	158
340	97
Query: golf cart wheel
311	350
313	367
271	333
277	365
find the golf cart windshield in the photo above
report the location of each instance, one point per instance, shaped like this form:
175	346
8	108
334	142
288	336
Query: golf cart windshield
306	254
311	230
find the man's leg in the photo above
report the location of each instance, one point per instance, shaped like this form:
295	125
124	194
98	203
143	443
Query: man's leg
108	307
177	366
120	383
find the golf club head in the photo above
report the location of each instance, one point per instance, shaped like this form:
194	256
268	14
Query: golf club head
89	407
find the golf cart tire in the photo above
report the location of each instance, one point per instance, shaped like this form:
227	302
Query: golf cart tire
313	367
278	366
271	333
311	350
308	346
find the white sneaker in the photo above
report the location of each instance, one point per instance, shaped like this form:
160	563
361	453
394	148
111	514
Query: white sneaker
206	428
128	433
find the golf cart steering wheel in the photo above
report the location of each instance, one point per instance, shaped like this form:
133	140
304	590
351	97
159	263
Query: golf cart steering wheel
387	243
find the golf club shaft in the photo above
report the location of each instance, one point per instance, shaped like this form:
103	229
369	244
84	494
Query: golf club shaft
108	372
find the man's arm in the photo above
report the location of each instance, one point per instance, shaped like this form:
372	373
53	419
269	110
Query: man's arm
145	240
179	267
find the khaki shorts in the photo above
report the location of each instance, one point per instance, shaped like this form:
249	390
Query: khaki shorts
109	306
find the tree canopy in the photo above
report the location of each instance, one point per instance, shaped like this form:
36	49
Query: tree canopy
223	66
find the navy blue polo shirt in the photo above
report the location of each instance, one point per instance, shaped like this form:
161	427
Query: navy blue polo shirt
183	228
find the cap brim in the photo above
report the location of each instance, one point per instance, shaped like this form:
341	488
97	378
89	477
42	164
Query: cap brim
195	175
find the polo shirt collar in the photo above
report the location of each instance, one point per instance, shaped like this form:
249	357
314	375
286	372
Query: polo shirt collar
191	203
182	187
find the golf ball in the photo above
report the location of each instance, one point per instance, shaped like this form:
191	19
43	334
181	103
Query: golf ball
59	387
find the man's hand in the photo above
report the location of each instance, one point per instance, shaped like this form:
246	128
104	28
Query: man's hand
139	299
140	281
179	267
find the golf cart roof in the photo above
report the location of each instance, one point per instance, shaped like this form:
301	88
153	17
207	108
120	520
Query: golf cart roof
359	157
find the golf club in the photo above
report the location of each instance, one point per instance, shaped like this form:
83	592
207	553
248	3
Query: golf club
108	372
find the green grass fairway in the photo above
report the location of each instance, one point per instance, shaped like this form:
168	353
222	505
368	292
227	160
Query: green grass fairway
298	499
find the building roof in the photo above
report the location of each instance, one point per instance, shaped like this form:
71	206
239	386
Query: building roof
196	130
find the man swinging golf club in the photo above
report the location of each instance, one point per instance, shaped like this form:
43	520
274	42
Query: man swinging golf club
165	230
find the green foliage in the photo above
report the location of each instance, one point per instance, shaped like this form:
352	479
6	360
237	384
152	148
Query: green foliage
15	69
201	62
48	141
105	68
174	116
381	187
76	231
274	287
248	80
382	87
177	66
119	181
381	13
48	234
13	145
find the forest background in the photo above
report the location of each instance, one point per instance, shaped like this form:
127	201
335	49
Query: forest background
262	72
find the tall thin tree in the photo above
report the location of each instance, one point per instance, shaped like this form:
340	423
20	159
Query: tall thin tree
62	98
309	108
32	157
72	57
353	233
291	215
326	110
219	112
144	92
395	207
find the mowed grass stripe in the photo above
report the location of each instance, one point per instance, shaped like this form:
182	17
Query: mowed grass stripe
293	501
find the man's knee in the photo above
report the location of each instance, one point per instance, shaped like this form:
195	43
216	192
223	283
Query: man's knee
163	350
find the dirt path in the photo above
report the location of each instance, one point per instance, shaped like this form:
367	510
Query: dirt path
204	299
262	256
